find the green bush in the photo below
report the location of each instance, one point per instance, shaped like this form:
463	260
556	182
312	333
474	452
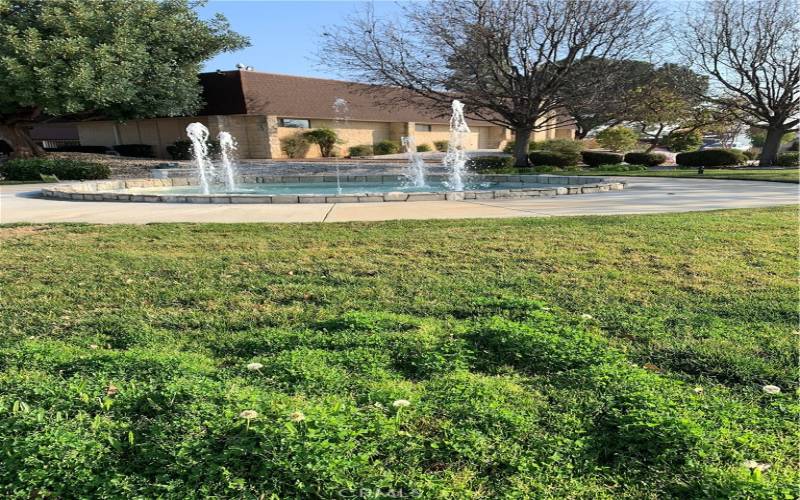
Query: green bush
551	158
642	158
621	167
31	169
135	150
441	146
361	150
595	158
510	147
295	146
424	148
710	158
790	159
325	138
492	164
682	141
750	154
182	150
618	138
386	147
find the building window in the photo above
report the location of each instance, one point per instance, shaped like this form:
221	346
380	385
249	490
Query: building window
294	123
421	127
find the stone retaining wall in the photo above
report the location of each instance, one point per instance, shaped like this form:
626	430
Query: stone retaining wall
112	190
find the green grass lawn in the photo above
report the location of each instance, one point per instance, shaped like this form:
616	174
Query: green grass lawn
787	175
587	357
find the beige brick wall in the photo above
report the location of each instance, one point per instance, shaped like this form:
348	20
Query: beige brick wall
352	133
159	132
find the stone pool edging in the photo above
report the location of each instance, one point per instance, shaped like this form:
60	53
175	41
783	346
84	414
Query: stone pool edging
107	190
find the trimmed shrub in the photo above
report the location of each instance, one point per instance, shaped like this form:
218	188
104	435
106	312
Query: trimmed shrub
642	158
790	159
683	141
621	167
492	164
361	150
441	146
710	158
595	158
182	150
325	138
551	158
32	169
750	154
295	146
567	147
424	148
618	138
510	147
135	150
386	148
100	150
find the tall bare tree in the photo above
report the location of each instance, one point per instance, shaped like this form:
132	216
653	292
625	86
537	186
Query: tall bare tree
505	59
751	49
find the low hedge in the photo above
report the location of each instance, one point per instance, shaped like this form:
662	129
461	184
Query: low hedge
102	150
135	150
642	158
492	164
424	148
552	158
711	158
595	158
621	167
790	159
360	150
386	148
441	146
31	169
182	150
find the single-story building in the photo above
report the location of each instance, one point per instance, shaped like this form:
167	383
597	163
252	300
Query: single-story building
261	109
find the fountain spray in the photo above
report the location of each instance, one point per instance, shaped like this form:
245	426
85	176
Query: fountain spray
198	134
341	112
456	158
227	145
415	171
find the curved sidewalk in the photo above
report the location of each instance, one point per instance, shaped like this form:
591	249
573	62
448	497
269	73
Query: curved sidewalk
22	203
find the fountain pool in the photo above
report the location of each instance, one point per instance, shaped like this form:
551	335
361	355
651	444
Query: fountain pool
326	189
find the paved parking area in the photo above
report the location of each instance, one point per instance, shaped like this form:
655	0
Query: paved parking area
22	203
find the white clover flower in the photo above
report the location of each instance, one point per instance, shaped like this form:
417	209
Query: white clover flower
699	390
248	414
93	346
401	403
297	416
771	389
753	465
587	316
253	367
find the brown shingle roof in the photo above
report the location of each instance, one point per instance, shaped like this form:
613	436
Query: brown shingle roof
303	97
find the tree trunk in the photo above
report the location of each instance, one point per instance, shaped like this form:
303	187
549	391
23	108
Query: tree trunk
522	138
580	132
19	138
772	143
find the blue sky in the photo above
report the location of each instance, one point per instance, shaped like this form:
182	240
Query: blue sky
283	35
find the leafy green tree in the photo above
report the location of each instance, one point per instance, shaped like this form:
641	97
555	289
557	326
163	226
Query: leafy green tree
618	138
115	59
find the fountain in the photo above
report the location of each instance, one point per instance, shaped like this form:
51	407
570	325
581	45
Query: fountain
204	184
415	172
227	145
456	158
198	134
341	112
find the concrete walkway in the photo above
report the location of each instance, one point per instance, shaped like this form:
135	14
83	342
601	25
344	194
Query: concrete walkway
22	203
